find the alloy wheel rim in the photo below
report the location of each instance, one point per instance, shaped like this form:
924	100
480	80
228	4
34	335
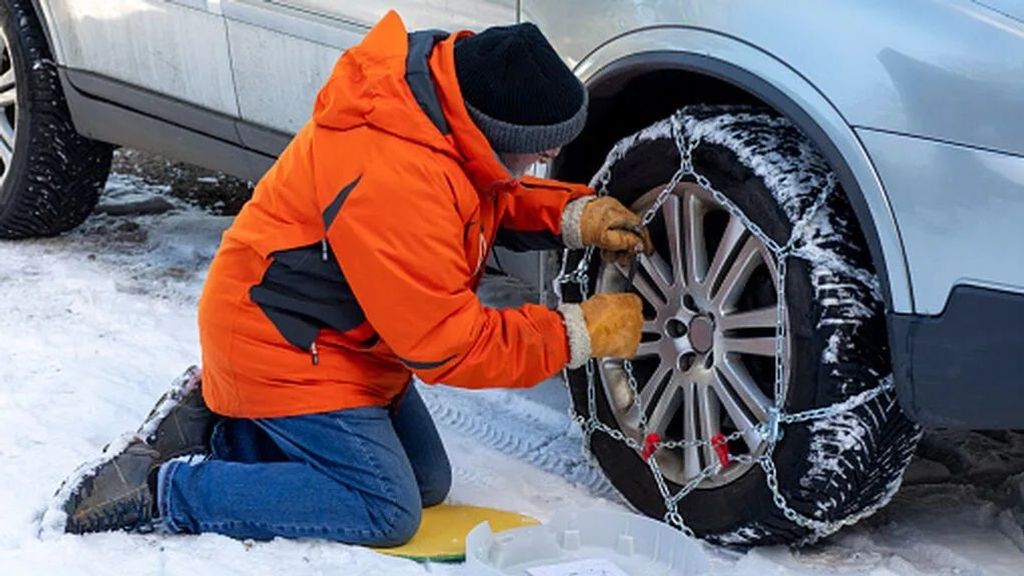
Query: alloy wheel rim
8	107
709	333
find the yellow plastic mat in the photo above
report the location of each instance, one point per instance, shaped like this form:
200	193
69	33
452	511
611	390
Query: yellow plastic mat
442	533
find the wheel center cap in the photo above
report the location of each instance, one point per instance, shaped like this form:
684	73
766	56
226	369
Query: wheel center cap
702	334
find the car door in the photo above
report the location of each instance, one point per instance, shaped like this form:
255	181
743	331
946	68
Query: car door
417	14
173	48
283	50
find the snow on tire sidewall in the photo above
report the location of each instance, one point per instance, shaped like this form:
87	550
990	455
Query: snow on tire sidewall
849	302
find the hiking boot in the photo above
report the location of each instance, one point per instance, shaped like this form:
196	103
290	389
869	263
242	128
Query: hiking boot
119	495
180	424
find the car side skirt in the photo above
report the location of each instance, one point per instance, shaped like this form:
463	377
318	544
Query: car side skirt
111	111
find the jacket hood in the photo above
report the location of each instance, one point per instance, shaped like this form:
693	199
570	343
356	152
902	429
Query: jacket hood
368	87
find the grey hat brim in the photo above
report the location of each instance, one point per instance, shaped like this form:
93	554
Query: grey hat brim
514	138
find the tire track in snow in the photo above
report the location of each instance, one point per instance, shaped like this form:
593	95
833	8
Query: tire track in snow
520	428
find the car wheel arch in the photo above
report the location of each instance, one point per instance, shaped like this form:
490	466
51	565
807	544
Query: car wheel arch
41	10
727	70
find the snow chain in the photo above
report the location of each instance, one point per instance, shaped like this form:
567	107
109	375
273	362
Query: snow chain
772	429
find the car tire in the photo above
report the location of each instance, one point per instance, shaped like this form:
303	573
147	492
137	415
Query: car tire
830	469
52	176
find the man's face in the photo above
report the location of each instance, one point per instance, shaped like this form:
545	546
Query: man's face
517	164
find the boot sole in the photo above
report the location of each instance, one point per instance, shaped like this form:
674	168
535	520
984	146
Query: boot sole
127	513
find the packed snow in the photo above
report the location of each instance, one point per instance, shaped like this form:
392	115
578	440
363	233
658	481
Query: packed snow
95	324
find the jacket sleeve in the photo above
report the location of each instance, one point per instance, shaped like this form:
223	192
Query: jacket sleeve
535	214
401	249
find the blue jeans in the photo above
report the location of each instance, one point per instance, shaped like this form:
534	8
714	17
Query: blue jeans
359	476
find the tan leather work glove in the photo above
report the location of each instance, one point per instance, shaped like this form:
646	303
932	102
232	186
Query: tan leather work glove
604	326
605	223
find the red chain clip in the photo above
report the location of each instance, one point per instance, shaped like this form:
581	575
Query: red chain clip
650	445
721	446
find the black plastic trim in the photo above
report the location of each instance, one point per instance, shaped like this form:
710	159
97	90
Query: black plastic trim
616	73
109	110
263	140
209	122
965	367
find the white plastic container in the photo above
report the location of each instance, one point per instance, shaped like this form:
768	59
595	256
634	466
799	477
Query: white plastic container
628	543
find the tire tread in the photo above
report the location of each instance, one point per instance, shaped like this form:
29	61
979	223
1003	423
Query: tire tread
57	185
846	306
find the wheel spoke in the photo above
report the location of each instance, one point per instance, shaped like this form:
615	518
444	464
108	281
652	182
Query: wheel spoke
648	292
5	155
659	271
710	417
651	348
737	275
617	389
757	346
650	327
8	97
732	239
743	422
644	287
651	393
693	240
735	377
760	318
7	80
691	454
665	409
673	229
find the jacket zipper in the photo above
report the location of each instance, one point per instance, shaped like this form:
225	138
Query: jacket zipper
313	350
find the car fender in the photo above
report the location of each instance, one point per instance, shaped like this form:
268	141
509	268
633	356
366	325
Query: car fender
785	89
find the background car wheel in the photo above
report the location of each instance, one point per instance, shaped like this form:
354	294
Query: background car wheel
51	176
706	364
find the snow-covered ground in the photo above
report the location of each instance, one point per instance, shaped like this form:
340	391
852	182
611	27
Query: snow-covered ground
96	323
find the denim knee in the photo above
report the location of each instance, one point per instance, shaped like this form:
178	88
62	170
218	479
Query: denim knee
436	486
403	525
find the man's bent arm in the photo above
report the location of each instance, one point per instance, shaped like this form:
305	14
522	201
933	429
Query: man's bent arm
536	214
401	249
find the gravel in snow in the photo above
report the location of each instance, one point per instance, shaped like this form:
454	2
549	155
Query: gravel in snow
96	323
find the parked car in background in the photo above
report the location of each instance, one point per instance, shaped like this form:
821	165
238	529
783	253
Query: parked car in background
913	111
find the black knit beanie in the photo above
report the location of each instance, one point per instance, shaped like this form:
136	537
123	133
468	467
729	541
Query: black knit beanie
518	91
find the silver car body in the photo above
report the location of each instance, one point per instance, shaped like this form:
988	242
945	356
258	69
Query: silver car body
920	101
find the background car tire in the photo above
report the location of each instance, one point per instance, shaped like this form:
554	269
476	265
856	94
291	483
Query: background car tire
55	175
828	469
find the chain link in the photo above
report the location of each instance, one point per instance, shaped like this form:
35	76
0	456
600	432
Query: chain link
772	429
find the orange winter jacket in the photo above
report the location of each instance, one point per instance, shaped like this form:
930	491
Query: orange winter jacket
355	263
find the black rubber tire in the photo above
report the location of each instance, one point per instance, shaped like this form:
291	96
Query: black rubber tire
56	174
862	454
